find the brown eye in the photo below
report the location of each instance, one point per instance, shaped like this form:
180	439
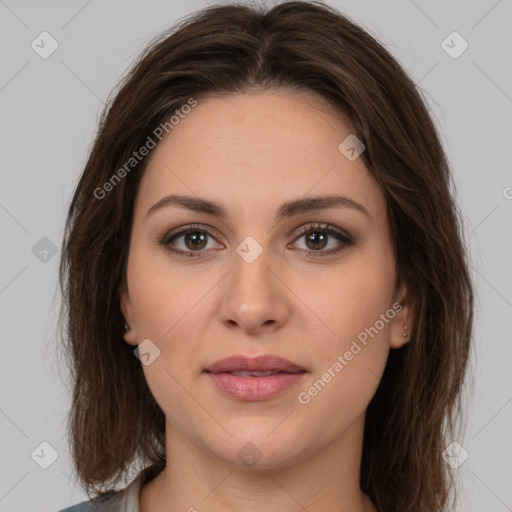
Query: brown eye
316	240
319	240
318	237
195	240
189	241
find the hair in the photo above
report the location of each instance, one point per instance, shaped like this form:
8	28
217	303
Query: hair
302	46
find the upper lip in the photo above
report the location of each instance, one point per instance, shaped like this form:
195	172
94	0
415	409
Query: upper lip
254	364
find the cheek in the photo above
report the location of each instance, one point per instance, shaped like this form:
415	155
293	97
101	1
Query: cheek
352	353
166	302
352	300
161	294
350	362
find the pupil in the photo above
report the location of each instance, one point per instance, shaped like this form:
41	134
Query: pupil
317	239
195	237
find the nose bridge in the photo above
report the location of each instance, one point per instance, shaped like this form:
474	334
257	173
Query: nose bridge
254	296
252	280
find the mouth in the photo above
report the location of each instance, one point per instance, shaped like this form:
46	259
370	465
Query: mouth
256	366
254	379
247	373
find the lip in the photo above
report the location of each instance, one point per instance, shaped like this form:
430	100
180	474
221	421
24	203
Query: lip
263	363
252	388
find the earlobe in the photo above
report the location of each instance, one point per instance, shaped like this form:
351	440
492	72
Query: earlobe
403	322
129	335
397	342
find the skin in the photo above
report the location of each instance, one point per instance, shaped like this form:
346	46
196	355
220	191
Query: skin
251	153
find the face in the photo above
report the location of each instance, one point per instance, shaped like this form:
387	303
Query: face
314	286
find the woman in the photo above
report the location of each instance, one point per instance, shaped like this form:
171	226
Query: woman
267	298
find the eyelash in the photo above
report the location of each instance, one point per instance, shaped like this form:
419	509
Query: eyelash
304	230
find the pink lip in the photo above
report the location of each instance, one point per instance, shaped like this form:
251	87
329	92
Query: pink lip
254	388
256	364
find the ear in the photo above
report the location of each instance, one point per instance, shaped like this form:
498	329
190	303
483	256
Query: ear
403	323
126	307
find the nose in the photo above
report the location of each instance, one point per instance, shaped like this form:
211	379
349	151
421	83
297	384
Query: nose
255	299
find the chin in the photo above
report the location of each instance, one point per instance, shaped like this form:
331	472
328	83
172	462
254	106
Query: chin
260	446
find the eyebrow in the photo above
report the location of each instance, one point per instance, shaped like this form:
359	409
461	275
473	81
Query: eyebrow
288	209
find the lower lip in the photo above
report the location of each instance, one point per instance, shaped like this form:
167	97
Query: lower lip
252	389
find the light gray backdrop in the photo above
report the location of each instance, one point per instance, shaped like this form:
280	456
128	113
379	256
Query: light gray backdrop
49	110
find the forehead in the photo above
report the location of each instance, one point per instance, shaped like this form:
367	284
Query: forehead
258	150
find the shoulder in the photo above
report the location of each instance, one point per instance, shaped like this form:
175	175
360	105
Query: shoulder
105	506
120	502
125	500
85	506
95	505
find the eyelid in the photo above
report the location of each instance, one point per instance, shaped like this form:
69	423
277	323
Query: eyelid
323	226
190	227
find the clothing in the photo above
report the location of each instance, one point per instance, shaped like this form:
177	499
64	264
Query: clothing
125	500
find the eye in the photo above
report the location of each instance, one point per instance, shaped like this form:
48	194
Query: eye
193	240
319	236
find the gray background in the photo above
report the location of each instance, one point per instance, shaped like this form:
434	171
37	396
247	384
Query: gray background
49	110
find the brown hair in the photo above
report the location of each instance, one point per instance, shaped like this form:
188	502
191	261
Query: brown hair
306	46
